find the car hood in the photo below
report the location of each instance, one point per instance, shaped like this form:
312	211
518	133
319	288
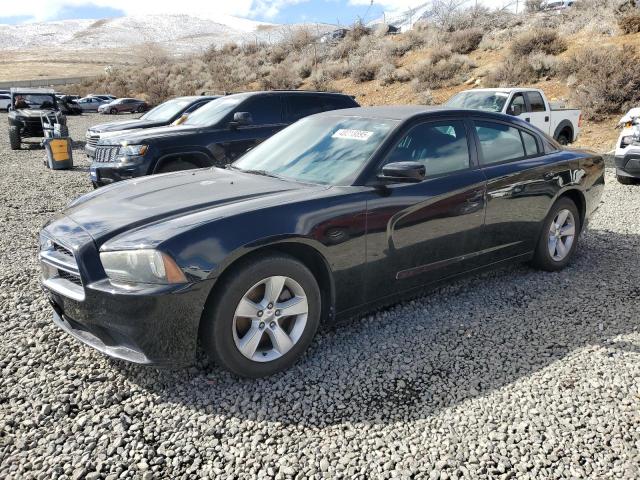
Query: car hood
125	125
123	206
151	134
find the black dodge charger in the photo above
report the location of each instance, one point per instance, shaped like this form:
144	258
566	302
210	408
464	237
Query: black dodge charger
339	213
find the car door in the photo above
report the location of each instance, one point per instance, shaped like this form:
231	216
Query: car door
266	115
519	186
418	233
537	114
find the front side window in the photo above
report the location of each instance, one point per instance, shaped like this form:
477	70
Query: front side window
517	105
329	150
264	109
441	147
499	142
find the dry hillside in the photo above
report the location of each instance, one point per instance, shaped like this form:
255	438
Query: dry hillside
580	56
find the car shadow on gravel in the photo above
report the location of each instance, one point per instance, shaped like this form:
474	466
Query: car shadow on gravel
462	341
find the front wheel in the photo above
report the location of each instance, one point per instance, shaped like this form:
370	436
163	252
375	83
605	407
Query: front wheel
263	318
113	111
626	180
14	138
559	237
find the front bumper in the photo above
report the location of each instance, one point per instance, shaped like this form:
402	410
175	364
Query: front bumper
105	173
156	326
148	324
628	165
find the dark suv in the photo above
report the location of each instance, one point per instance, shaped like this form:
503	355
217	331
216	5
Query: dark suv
213	135
164	114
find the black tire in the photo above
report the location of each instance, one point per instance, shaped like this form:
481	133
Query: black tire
14	138
217	335
176	166
542	257
113	111
140	109
626	180
563	138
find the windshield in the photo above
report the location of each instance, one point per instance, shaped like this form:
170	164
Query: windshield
32	100
166	111
213	112
489	101
320	149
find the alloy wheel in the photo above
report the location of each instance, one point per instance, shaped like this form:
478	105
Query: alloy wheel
562	233
270	318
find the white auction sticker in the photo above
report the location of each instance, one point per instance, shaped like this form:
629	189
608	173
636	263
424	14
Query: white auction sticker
349	134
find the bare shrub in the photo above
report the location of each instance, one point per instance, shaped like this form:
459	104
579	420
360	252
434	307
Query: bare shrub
281	77
533	6
229	48
513	71
542	64
425	97
402	75
465	41
607	80
304	69
397	48
278	53
442	72
386	74
365	70
320	81
542	40
630	23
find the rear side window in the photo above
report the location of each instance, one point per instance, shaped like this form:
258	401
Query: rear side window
264	109
536	102
499	142
300	106
530	143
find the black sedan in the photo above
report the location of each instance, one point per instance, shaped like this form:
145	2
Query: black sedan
339	213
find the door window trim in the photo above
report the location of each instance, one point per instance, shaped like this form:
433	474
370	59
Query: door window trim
541	151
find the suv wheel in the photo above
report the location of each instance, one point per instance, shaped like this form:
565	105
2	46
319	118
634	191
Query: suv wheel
14	138
263	317
559	237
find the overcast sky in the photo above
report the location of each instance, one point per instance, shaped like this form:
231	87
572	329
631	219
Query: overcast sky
278	11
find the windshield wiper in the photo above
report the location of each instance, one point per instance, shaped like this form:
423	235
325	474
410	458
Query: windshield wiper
264	173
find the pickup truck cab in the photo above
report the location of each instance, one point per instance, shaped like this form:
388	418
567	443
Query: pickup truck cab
529	104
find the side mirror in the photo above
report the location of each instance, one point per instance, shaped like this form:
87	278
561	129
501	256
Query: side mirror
516	110
240	119
403	172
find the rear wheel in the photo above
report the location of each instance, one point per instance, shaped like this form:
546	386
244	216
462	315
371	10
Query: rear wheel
14	138
559	237
263	317
563	138
176	166
140	109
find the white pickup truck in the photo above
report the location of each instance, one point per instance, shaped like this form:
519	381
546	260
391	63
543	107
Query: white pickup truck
530	104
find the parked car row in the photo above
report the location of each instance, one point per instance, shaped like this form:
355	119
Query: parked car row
323	210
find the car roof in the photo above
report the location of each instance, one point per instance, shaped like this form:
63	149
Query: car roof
503	90
280	92
407	112
45	91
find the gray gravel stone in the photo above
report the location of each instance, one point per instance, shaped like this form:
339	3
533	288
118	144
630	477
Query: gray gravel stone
514	373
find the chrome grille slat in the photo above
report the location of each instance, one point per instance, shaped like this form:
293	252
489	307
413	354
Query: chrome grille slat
60	271
106	153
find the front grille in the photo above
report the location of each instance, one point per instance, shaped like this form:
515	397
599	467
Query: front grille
60	271
92	139
106	153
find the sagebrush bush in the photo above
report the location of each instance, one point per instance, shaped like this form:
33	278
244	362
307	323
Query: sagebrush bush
321	81
606	80
465	41
513	71
425	97
541	40
365	70
442	72
630	23
281	77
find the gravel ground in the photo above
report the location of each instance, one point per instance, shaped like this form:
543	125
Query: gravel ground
510	374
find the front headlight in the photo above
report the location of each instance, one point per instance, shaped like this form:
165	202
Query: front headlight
132	150
141	266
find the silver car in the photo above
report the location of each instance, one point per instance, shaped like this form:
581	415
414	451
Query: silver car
90	104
